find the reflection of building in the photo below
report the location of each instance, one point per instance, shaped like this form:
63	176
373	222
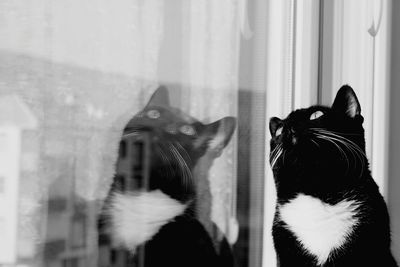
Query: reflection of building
132	160
69	219
131	171
42	221
67	161
66	225
15	118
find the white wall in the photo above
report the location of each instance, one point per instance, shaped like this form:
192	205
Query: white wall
394	142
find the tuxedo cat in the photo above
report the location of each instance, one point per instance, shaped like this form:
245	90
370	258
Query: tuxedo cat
150	210
329	211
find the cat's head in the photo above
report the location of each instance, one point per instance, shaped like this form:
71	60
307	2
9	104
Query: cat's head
165	144
320	143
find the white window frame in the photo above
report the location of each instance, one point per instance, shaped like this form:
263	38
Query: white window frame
291	80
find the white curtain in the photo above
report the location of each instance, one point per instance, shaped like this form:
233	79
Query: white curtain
211	70
83	68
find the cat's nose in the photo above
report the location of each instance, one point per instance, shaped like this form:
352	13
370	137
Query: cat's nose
293	137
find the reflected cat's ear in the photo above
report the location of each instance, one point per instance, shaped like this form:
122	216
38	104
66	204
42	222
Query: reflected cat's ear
346	102
160	97
274	124
217	135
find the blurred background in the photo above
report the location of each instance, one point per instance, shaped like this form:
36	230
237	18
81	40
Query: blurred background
73	72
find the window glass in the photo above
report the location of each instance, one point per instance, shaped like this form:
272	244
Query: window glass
137	134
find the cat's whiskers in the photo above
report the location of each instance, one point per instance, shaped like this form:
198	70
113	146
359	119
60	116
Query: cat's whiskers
359	153
315	142
185	170
341	151
334	132
346	145
166	160
276	158
181	148
275	154
272	153
176	157
178	147
189	175
352	147
275	149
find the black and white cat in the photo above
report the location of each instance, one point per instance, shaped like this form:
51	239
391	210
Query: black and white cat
329	210
151	207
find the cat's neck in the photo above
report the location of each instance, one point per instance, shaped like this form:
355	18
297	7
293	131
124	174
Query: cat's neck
340	188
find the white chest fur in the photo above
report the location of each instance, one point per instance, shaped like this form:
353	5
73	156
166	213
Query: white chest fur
137	218
318	226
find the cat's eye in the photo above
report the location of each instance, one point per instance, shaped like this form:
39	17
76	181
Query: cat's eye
153	114
187	129
316	115
279	131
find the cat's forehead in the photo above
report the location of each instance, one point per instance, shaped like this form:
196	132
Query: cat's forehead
304	113
170	114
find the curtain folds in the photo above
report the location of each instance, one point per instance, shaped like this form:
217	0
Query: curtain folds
83	68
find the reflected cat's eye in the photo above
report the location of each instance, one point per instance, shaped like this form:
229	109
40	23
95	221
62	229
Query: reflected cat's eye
187	129
316	115
153	114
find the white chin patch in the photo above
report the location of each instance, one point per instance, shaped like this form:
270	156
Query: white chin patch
318	226
136	218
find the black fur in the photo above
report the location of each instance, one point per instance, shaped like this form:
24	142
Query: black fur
330	171
161	132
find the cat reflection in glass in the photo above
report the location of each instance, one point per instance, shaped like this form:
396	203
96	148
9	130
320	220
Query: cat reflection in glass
150	214
329	210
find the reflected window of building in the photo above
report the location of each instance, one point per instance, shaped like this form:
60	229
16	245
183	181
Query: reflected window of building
2	185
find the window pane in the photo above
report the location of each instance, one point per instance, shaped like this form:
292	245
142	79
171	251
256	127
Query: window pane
137	134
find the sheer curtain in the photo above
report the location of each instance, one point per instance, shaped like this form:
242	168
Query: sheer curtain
82	69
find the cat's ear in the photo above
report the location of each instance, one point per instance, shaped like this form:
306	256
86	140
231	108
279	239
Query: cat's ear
346	102
160	97
217	135
274	124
